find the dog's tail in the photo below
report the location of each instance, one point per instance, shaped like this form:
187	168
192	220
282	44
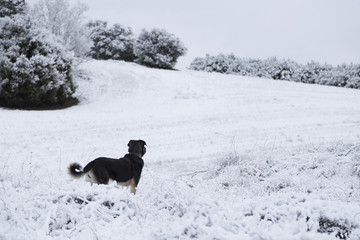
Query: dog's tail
75	170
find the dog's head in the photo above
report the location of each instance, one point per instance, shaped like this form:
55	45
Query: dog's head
137	147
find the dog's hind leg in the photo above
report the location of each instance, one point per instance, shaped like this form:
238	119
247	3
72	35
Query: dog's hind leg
90	177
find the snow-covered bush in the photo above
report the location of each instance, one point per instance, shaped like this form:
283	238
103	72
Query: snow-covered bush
115	43
34	71
353	82
198	64
11	7
158	49
332	78
217	63
281	69
309	73
65	22
220	63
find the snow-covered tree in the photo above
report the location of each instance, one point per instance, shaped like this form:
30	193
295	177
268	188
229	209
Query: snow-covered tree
34	70
158	48
11	7
66	22
115	43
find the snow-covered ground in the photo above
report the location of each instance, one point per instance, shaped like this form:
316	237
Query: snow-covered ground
228	157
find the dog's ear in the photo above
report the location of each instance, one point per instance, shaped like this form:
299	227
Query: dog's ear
142	142
130	142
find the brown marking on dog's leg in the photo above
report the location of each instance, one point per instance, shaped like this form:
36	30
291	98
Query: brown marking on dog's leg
133	186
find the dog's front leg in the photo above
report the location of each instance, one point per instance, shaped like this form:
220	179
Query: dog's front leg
133	186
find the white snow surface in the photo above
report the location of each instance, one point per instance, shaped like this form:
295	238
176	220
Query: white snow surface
228	157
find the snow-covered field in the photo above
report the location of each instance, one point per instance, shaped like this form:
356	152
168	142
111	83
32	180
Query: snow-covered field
228	157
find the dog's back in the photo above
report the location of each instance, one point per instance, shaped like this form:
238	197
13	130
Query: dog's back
103	169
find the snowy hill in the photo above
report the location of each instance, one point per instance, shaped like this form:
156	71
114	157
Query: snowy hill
228	157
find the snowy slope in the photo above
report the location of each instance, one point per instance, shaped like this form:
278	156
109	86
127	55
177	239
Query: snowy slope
228	157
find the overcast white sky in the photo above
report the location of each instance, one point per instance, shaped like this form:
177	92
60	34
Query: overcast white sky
302	30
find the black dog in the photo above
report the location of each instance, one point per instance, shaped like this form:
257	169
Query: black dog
125	171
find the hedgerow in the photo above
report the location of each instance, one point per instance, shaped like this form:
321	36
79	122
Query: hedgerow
345	75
